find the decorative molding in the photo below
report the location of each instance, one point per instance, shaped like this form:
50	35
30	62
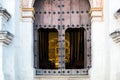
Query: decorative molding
115	36
62	72
96	14
4	13
27	13
6	37
62	77
28	9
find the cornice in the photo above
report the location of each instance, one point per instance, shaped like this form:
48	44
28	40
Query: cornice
4	13
115	35
6	37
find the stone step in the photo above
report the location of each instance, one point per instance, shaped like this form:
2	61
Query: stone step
70	77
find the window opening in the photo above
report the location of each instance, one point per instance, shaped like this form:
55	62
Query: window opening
74	48
48	48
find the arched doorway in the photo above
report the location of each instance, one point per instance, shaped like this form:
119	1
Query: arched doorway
68	22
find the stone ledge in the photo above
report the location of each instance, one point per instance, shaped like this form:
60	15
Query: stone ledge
4	13
6	37
68	77
62	76
115	36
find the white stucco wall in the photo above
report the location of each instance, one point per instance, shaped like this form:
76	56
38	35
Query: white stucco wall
99	52
24	52
114	47
8	52
18	56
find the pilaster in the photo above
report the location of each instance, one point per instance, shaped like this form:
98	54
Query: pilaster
25	55
5	37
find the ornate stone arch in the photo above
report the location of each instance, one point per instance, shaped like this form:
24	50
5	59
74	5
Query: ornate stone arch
96	9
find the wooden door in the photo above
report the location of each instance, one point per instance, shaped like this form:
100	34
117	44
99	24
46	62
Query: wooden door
62	15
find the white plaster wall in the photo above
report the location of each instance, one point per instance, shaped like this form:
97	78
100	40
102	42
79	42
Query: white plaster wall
9	54
101	47
114	47
99	52
8	62
18	56
1	2
1	62
24	51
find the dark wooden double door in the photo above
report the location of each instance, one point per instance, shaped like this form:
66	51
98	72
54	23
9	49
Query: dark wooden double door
70	20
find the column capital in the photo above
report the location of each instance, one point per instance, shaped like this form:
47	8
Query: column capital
5	14
96	14
6	37
27	14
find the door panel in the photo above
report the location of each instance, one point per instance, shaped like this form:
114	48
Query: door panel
84	12
38	13
65	12
55	11
47	15
75	17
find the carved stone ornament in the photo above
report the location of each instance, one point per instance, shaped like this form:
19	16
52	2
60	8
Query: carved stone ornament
116	34
27	14
4	13
96	14
6	37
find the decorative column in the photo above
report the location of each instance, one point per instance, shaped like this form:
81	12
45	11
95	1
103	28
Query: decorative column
5	37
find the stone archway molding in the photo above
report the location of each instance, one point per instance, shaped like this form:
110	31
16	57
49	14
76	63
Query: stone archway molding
96	11
30	3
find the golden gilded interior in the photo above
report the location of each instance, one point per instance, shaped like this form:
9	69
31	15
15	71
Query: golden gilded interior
53	48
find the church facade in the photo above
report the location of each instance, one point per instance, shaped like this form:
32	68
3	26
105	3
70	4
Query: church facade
59	40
